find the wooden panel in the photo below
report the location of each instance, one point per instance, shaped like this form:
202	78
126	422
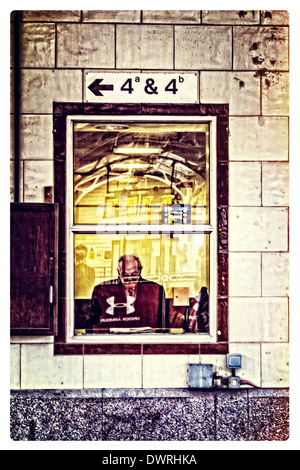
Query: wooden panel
179	348
33	256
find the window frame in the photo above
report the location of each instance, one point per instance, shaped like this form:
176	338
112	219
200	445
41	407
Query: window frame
210	229
215	342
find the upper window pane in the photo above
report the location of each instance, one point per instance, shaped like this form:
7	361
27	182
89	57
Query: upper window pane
141	173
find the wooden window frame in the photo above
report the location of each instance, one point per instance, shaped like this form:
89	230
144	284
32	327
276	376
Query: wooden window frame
61	112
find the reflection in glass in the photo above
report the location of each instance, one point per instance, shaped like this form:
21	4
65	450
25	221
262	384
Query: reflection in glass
136	173
168	290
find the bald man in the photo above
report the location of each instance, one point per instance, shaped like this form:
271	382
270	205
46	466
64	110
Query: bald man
128	301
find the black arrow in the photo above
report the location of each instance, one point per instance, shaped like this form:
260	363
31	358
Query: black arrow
95	87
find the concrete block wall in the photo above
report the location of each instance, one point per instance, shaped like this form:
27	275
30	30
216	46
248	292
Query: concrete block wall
241	58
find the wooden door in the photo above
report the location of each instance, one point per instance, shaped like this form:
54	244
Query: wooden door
33	269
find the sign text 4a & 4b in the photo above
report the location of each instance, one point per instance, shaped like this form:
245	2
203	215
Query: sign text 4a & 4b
161	88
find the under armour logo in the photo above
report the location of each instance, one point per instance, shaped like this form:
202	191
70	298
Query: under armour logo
128	305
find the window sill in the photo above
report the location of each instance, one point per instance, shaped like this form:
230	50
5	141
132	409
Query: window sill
139	348
143	338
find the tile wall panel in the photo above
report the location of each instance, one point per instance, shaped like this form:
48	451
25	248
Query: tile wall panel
171	16
41	87
230	17
79	45
211	47
38	174
275	93
38	45
15	369
144	46
275	183
275	274
41	370
36	141
272	17
260	138
245	184
275	365
111	16
245	274
51	15
118	371
261	48
258	229
240	89
258	320
171	371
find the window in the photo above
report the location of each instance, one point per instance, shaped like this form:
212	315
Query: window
143	187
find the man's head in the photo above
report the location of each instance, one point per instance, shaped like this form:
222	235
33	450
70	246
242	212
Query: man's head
129	269
80	253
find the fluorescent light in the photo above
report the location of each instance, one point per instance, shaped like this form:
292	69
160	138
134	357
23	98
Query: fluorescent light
129	165
137	150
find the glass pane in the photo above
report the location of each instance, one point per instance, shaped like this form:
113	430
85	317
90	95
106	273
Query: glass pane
164	286
141	173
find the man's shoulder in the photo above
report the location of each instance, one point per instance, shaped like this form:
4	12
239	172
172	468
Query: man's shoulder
147	282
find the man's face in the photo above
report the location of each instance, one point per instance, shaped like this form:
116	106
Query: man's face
129	273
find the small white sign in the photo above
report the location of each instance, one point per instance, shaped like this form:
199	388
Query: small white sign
143	87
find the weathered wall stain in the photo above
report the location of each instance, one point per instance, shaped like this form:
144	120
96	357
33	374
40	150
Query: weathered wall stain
261	73
255	46
241	82
268	15
257	60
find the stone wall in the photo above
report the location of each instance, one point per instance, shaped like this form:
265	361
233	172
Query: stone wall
150	415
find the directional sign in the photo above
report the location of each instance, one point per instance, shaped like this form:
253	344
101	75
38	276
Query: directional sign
96	87
119	87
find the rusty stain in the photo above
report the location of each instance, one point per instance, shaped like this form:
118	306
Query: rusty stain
272	80
35	83
275	35
257	60
255	46
242	13
261	73
241	83
268	15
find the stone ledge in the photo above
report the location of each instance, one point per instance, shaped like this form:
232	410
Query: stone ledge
149	415
150	393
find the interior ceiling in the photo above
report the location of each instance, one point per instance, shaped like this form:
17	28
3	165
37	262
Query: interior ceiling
182	151
183	142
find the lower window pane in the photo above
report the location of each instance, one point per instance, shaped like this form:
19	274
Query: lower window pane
141	283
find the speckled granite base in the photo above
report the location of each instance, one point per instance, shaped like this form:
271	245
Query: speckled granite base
150	415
